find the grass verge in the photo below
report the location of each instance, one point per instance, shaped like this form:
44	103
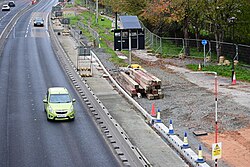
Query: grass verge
242	74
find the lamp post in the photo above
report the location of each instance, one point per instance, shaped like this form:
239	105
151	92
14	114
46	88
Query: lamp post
232	19
96	2
216	105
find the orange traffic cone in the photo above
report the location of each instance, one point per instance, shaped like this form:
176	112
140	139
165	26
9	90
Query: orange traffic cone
234	79
153	113
199	68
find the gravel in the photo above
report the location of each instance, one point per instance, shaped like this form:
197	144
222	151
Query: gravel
190	107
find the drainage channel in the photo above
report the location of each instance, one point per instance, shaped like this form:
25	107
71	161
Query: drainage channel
118	139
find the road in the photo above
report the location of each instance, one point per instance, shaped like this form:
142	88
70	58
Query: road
28	67
6	16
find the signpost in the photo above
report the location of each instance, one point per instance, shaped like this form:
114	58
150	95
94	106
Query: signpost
130	36
204	42
56	8
58	13
216	150
65	20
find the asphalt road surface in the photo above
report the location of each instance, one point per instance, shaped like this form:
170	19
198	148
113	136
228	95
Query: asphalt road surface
6	16
28	67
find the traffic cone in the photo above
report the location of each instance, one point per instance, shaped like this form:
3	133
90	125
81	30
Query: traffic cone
99	45
199	68
153	113
185	141
234	79
171	129
158	117
200	157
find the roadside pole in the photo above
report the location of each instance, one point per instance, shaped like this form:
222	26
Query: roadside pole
204	42
216	115
216	151
129	49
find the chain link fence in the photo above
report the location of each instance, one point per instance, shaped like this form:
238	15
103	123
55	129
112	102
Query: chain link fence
94	34
176	46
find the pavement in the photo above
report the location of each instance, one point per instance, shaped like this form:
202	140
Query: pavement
157	152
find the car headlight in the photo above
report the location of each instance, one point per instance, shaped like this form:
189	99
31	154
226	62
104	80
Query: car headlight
50	109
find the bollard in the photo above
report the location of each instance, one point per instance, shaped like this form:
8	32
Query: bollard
200	157
99	45
185	142
171	129
158	117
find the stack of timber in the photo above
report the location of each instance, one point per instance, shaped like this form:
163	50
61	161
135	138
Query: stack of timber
138	80
128	84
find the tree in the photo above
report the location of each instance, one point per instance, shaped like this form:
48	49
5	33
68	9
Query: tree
242	28
157	14
218	13
196	18
181	13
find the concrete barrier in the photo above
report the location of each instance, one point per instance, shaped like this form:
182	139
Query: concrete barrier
175	141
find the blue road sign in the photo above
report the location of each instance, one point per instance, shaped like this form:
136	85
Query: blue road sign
204	42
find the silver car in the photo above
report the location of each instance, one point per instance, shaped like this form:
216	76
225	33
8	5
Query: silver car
38	21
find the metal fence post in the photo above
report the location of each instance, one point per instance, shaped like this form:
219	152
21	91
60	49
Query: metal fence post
160	45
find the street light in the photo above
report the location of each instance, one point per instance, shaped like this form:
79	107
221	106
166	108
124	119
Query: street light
216	103
96	11
231	20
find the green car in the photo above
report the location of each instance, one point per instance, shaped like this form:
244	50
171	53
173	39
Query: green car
58	104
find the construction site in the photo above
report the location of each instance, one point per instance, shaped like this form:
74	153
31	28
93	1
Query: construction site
188	100
136	81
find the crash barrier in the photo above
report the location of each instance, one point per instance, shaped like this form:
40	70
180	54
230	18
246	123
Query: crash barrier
141	158
8	28
167	133
180	146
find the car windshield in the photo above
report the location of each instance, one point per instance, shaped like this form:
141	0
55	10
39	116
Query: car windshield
59	98
39	19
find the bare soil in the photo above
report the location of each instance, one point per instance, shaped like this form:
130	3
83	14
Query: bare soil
192	109
235	146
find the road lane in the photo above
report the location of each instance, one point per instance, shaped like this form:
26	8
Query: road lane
28	67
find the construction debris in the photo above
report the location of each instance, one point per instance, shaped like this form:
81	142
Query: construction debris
138	81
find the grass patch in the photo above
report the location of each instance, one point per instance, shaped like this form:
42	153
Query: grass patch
242	74
172	48
103	28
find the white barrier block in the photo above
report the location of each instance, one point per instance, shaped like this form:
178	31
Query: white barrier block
176	142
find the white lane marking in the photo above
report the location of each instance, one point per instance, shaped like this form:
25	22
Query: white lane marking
4	16
47	31
27	29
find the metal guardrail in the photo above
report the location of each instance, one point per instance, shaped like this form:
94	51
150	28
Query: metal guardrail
189	154
174	140
104	111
